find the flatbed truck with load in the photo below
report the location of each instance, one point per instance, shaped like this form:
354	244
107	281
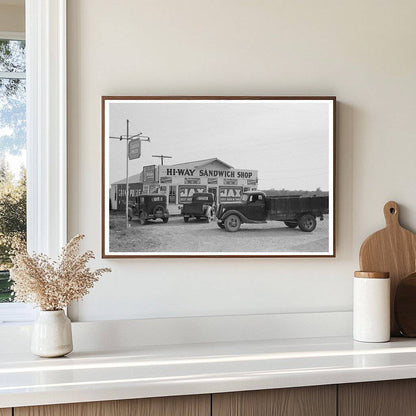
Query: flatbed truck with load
257	207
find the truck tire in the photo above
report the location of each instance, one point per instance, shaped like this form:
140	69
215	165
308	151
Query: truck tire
232	223
143	218
291	224
307	223
186	219
165	220
209	214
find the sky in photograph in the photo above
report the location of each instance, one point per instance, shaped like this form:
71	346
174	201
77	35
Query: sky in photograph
286	141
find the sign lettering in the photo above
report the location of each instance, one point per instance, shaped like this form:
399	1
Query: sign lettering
134	149
149	173
230	194
192	181
165	179
230	181
212	174
186	192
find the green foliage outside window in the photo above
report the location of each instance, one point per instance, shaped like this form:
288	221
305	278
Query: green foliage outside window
12	146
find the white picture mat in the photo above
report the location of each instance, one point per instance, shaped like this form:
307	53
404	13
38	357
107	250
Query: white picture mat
331	160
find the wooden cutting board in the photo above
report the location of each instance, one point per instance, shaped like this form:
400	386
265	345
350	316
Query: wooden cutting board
393	250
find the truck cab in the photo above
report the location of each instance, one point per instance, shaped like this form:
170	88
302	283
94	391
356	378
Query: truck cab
255	206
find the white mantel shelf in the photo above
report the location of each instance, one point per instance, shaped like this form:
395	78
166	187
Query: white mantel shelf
200	368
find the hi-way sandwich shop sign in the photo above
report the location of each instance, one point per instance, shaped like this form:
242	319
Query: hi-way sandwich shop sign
209	173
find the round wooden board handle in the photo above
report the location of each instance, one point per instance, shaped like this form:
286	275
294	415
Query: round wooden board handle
391	214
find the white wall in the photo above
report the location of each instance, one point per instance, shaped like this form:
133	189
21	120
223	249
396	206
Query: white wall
12	17
361	51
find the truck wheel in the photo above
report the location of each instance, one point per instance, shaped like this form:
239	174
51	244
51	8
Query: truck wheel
165	220
142	218
221	225
186	219
291	224
307	223
232	223
209	214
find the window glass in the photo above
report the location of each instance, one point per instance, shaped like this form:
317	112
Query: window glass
12	155
12	55
172	194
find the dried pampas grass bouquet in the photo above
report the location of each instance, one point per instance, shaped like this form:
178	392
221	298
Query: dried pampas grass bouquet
53	285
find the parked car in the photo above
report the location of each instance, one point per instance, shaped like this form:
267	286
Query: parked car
149	207
257	207
202	206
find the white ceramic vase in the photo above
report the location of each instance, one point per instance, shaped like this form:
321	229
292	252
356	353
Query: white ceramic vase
52	334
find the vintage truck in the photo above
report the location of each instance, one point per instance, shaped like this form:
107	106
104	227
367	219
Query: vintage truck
201	206
149	207
257	207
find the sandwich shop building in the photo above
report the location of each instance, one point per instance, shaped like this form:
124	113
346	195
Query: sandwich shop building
180	181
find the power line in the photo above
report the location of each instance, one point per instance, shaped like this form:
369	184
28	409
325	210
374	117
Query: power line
162	158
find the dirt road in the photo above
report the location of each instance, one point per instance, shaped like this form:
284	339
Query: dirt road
197	236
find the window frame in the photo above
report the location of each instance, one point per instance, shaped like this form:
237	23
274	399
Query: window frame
46	140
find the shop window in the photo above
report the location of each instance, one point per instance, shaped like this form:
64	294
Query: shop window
172	194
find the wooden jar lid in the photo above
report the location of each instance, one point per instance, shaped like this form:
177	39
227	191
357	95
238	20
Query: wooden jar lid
372	275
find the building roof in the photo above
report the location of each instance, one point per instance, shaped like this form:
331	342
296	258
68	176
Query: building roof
193	164
132	179
201	163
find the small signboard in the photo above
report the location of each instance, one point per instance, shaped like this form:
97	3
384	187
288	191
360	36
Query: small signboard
149	173
230	194
134	149
192	181
186	192
153	189
165	179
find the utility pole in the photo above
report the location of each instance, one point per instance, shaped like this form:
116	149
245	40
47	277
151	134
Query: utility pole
162	157
128	138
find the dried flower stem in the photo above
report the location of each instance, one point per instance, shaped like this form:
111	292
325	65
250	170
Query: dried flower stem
53	285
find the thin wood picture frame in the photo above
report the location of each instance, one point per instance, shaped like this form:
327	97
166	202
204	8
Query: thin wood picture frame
174	208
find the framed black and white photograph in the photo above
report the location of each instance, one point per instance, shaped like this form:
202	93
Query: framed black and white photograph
218	176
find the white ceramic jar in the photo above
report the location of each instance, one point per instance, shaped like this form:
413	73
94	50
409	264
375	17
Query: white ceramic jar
371	309
52	334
